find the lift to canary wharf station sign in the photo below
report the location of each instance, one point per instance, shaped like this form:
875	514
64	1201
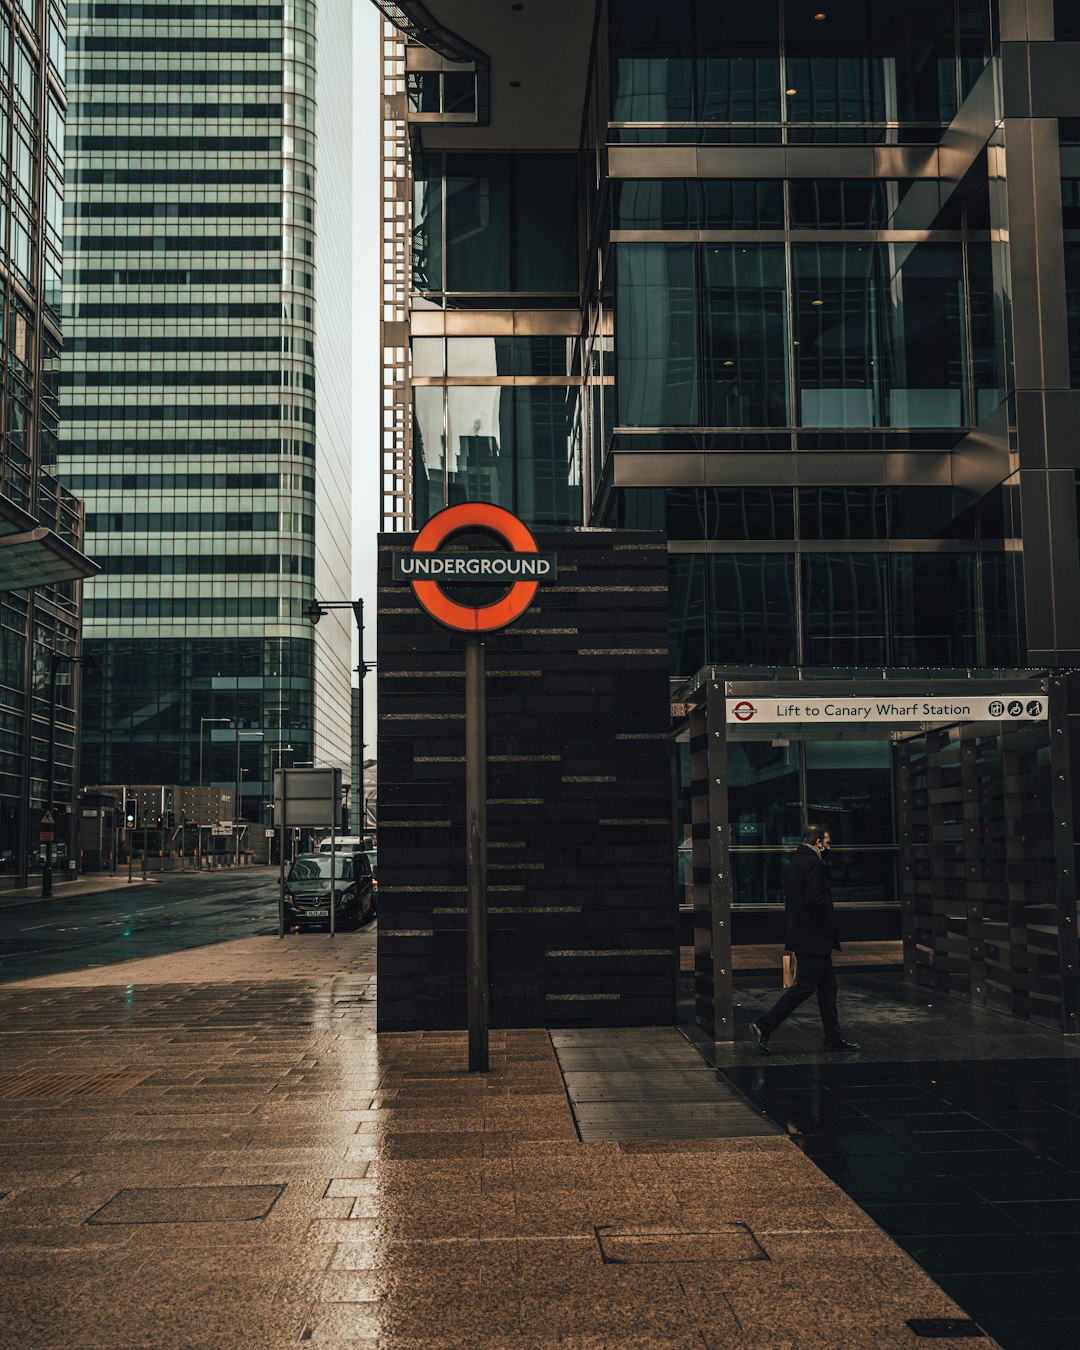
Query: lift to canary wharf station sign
518	567
1000	707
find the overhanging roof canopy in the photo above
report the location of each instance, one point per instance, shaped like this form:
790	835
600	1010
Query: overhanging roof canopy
39	557
538	55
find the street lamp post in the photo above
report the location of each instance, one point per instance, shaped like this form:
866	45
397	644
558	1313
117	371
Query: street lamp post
254	735
55	658
203	723
314	612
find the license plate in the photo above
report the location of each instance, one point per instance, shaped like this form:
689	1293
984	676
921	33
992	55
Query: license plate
318	914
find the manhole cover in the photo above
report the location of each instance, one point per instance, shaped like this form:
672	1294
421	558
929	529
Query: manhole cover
657	1244
188	1204
111	1083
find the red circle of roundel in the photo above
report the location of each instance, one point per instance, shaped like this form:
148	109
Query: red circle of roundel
475	516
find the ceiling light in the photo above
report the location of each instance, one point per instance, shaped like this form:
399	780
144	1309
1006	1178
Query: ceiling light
515	84
789	92
819	16
817	302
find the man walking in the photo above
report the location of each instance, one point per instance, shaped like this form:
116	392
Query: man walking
811	935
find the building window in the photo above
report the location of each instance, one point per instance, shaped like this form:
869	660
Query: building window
657	343
744	322
881	337
505	223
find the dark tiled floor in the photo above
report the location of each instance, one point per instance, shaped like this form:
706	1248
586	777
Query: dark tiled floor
971	1163
648	1083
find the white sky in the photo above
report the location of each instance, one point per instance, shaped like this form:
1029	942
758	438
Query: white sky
366	419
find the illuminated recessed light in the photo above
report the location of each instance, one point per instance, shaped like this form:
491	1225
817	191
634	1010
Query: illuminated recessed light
819	16
817	302
729	363
789	92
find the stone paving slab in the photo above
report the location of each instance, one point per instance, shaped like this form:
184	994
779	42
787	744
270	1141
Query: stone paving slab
313	957
419	1205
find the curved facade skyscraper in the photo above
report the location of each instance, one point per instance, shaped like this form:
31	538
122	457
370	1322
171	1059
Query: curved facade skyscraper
206	384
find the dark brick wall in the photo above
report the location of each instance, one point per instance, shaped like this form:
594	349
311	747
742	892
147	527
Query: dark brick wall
582	909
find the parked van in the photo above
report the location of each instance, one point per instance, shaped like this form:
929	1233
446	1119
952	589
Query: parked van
343	843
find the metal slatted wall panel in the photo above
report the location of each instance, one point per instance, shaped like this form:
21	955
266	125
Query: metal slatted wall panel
701	868
583	927
988	907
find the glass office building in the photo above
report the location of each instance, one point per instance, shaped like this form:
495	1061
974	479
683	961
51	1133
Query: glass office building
798	284
41	524
206	384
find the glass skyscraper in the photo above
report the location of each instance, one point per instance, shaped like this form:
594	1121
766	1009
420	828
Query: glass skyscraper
41	523
798	284
206	384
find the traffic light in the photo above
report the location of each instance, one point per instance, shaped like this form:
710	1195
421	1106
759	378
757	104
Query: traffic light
169	819
158	821
129	818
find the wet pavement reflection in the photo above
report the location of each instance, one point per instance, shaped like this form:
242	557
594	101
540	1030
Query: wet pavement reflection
971	1164
217	1150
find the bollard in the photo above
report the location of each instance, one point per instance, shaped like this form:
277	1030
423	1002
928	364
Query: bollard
129	865
144	864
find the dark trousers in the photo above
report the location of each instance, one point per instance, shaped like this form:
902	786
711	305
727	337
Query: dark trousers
816	976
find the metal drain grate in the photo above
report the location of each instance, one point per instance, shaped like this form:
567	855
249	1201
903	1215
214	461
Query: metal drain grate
945	1327
111	1083
188	1204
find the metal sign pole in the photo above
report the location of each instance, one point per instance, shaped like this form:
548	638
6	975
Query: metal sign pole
281	855
521	567
333	855
476	851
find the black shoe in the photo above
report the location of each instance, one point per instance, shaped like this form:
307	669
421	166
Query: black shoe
762	1038
841	1044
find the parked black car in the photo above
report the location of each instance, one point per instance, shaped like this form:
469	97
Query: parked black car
307	891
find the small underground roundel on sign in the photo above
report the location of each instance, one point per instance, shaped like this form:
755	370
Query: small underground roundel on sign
514	568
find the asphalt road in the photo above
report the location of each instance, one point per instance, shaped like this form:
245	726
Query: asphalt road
45	937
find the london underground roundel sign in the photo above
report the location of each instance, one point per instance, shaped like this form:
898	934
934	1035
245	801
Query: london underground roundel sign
430	565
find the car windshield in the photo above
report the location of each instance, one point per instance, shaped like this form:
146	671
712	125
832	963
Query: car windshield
316	867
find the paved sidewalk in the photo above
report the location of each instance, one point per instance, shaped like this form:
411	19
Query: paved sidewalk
66	890
97	883
213	1149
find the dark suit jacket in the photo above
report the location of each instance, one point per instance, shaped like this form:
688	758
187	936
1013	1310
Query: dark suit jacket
811	925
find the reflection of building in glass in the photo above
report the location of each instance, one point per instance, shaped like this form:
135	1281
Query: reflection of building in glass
41	523
212	465
809	302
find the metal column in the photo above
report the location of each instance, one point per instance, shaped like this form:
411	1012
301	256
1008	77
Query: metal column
476	851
